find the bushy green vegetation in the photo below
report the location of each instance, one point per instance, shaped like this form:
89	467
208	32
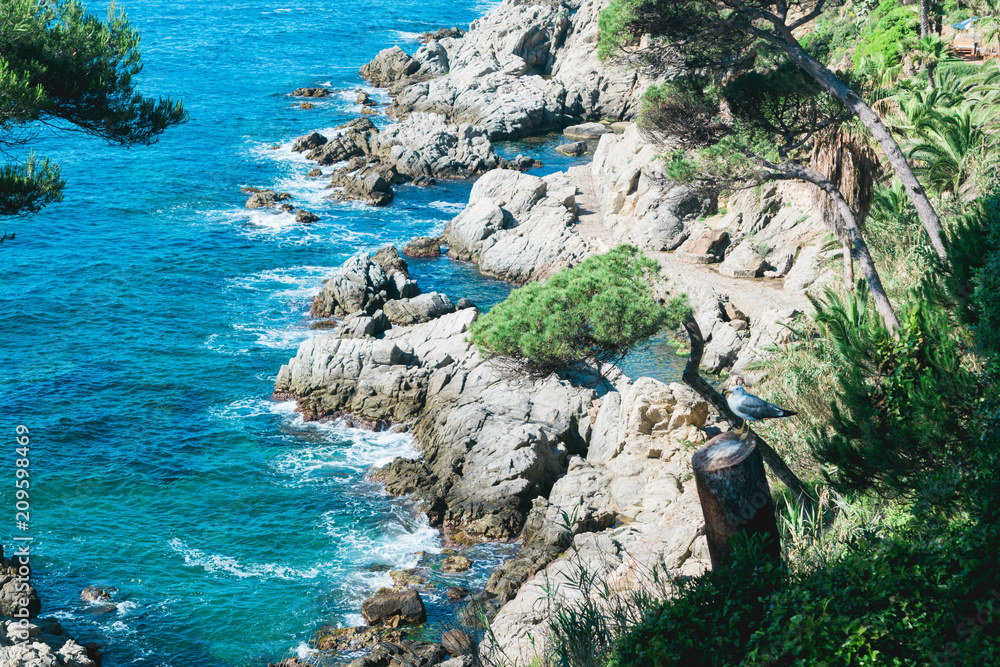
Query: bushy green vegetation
887	29
917	597
596	311
904	421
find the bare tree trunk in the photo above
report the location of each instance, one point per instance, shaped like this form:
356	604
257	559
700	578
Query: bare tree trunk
894	155
857	242
925	24
693	379
848	268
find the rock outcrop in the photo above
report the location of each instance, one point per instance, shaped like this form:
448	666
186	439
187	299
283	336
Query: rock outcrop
393	608
639	205
491	442
46	644
522	68
632	508
518	227
421	148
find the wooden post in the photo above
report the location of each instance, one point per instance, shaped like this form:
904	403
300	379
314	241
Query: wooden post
735	497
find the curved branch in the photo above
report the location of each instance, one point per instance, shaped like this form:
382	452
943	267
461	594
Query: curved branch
860	248
693	379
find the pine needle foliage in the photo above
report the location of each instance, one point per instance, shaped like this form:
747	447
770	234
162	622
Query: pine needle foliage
64	68
905	407
595	312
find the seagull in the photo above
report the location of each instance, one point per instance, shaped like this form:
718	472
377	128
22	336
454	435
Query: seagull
752	408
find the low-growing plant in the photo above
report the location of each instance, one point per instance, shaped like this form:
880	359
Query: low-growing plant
595	312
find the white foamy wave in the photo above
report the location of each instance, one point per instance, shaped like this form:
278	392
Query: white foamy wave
302	651
399	543
276	282
354	621
245	408
214	344
125	606
352	451
217	563
275	338
407	36
453	208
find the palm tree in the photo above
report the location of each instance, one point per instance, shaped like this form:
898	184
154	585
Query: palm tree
949	153
928	51
989	22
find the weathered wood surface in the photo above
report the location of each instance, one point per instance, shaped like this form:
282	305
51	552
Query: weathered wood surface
735	497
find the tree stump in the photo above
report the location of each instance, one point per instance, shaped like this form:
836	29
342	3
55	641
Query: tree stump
735	497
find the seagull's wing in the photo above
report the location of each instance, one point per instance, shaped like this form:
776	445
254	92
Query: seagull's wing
756	408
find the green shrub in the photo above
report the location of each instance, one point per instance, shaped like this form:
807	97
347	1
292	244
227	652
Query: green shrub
613	27
915	597
986	294
596	311
957	68
888	27
679	167
904	406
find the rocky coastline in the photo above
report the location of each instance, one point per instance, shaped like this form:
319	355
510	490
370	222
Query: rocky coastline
581	468
46	643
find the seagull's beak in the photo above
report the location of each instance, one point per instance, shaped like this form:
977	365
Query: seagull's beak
727	392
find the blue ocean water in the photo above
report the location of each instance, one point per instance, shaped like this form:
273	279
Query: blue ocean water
145	318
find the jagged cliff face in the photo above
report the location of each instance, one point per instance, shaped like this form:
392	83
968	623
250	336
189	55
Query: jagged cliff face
523	68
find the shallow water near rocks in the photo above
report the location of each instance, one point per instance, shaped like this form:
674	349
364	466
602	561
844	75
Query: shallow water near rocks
145	318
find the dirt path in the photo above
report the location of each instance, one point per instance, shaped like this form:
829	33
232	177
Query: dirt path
753	296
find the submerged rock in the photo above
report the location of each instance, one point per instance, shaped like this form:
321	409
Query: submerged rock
266	198
456	563
587	131
424	246
574	149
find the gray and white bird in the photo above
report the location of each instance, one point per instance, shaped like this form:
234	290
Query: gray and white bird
752	409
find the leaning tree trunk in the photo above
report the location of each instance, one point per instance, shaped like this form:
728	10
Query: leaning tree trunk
893	153
693	379
799	172
735	498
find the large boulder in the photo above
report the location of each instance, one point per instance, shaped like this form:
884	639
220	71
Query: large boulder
367	185
639	204
428	145
517	226
308	142
586	131
743	261
419	309
265	198
355	288
396	607
352	140
423	246
389	66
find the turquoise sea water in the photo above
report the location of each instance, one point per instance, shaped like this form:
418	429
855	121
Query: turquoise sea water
144	320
